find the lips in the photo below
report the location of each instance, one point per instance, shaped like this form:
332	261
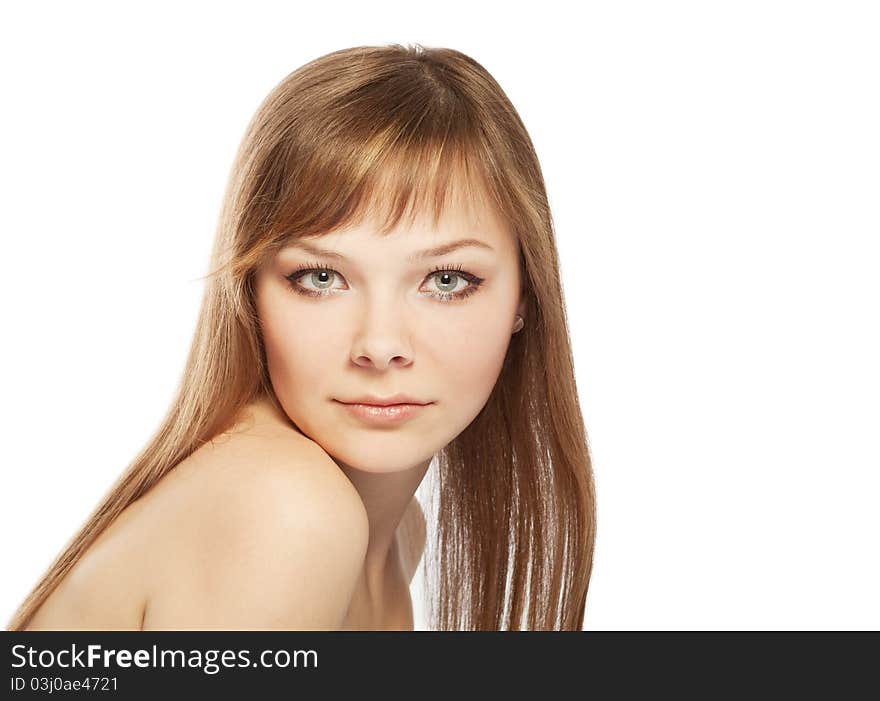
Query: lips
371	400
381	415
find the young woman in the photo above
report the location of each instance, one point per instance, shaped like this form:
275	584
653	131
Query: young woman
384	297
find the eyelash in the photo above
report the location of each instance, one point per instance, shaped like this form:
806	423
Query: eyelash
474	281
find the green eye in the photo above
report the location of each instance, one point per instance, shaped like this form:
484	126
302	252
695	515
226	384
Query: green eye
322	276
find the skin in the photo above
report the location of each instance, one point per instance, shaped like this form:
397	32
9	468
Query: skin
223	540
377	331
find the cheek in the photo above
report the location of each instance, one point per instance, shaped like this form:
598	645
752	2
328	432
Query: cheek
300	350
474	357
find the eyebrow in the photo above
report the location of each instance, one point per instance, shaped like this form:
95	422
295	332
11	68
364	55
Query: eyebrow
419	255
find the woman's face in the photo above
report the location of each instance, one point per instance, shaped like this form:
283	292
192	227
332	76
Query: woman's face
372	315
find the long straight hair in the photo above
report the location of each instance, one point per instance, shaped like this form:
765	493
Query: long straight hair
385	131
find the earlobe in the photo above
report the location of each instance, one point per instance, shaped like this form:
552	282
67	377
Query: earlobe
519	319
518	324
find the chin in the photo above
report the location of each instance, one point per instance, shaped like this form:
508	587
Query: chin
377	458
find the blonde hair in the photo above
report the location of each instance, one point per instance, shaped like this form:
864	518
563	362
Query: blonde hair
386	130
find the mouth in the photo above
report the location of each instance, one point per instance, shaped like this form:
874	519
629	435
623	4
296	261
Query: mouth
394	399
383	414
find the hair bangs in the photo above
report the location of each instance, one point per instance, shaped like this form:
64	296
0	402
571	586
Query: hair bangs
390	188
406	186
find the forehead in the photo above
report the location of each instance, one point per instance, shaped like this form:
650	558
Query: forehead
467	219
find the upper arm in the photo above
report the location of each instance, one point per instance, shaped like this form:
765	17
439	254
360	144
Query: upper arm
279	549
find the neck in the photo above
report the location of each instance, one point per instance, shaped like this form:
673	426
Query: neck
386	497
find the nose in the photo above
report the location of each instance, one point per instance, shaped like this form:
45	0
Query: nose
381	340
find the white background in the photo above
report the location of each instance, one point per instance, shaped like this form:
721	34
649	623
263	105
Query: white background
714	172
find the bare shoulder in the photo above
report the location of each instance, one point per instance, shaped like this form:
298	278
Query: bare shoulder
265	532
